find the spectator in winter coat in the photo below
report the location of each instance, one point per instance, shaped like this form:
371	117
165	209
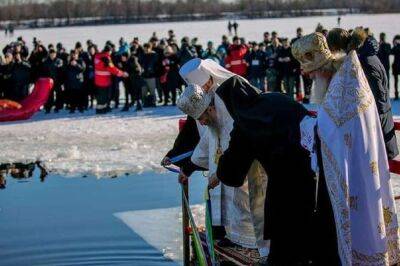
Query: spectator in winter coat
62	53
36	58
286	66
222	49
89	87
186	52
379	84
396	64
173	80
20	79
148	61
136	80
307	81
74	82
271	53
211	53
267	39
235	60
20	47
158	47
104	69
198	47
132	84
5	75
256	70
52	67
384	53
123	46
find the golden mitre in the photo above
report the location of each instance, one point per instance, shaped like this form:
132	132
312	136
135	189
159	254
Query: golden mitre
312	51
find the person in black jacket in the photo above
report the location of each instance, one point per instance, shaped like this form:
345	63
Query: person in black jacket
186	141
173	79
286	66
187	51
396	64
257	67
378	81
74	80
36	58
52	67
5	74
384	53
148	60
132	84
20	79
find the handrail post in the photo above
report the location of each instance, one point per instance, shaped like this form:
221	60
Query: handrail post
185	225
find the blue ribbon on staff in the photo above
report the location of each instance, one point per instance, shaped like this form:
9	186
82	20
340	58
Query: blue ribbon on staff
177	159
181	157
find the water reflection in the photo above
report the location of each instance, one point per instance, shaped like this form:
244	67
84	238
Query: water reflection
129	220
20	171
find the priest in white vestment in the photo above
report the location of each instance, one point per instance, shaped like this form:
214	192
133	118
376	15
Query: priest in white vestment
353	155
240	210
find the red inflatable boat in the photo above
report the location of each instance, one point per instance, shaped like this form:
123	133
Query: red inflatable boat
30	104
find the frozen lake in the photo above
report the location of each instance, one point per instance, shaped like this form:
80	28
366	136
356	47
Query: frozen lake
252	30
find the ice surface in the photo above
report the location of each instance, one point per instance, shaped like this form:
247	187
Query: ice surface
88	144
251	29
167	238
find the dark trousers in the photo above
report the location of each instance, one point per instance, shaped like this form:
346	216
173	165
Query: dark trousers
129	96
396	85
102	97
90	93
307	82
159	90
169	90
76	98
114	92
56	98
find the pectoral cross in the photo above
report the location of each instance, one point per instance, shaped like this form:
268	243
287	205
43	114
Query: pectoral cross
218	152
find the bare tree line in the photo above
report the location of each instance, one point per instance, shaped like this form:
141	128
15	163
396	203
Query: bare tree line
139	10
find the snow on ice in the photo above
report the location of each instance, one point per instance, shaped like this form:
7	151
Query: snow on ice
107	145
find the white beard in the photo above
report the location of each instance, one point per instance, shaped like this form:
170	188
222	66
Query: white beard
320	87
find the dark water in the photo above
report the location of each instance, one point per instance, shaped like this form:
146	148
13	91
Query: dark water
70	221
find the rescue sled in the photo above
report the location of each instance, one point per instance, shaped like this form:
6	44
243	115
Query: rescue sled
31	104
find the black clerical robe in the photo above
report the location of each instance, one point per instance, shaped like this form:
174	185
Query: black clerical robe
186	141
266	128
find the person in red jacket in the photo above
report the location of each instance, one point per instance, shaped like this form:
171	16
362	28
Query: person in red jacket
235	60
104	69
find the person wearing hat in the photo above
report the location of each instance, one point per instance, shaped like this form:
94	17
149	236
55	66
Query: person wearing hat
53	67
348	151
232	207
248	200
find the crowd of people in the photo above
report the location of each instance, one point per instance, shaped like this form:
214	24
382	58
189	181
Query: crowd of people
149	71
